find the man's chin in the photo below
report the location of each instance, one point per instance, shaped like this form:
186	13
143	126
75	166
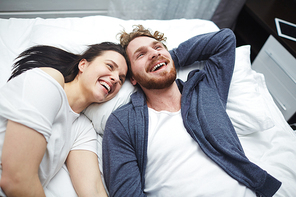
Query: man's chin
164	80
157	83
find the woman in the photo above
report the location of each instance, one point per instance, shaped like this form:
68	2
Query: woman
41	121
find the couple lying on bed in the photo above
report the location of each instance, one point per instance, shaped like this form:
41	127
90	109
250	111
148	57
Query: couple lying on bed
150	146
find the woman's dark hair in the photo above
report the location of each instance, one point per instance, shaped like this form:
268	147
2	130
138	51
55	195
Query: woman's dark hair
65	62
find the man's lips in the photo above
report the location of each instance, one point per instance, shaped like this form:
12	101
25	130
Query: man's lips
157	66
158	63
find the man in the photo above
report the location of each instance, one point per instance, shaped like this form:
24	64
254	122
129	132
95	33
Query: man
175	138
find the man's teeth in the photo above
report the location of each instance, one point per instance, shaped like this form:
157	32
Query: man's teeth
105	85
157	66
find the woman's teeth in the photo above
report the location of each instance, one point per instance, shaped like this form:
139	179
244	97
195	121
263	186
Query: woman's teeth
105	85
157	66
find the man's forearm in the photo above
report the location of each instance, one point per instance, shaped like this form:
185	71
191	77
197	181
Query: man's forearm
202	47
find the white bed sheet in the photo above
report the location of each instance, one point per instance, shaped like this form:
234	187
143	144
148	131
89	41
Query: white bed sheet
266	137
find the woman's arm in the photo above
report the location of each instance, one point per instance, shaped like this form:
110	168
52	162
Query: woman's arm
22	152
85	174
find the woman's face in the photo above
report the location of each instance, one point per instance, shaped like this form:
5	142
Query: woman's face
102	78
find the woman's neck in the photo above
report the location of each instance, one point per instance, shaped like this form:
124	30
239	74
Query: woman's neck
75	97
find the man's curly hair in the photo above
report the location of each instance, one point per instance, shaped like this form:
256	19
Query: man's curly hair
138	30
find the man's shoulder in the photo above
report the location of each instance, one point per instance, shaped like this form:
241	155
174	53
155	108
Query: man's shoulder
121	119
126	111
123	109
122	113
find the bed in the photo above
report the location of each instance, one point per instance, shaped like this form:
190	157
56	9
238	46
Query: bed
266	137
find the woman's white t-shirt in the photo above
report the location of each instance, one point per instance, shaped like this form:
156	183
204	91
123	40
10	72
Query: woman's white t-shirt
38	101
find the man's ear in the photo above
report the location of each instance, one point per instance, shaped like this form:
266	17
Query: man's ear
133	81
82	65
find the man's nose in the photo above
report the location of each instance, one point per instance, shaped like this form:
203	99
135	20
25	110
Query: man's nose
154	53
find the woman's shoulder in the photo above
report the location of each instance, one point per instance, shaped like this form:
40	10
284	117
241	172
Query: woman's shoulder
54	73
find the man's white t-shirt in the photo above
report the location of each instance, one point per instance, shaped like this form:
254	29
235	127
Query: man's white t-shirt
36	100
176	165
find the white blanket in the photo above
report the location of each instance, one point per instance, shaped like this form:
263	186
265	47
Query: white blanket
266	138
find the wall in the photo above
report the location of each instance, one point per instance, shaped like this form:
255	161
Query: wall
52	8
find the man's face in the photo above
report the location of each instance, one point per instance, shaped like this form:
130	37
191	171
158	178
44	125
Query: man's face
151	63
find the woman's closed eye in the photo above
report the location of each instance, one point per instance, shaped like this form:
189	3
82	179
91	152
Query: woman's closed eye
110	66
122	79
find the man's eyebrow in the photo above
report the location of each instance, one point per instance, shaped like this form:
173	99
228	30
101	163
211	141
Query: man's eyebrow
139	49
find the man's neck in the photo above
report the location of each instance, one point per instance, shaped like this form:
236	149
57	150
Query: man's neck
168	99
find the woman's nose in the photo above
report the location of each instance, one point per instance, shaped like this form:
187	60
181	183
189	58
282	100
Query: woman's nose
115	78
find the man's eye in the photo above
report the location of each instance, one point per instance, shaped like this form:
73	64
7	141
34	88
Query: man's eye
140	55
157	47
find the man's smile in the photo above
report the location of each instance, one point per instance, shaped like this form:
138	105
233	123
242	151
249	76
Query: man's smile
156	67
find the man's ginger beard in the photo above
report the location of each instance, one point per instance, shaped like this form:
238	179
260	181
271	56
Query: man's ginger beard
164	80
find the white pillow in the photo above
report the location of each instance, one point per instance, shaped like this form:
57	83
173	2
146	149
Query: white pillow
245	106
72	34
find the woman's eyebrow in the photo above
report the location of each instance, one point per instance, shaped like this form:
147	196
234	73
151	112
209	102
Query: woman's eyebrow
116	66
113	63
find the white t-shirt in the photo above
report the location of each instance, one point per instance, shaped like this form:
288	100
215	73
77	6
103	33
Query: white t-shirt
38	101
176	165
